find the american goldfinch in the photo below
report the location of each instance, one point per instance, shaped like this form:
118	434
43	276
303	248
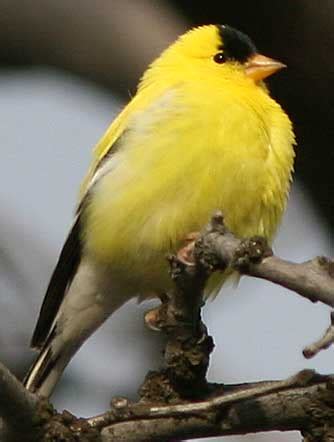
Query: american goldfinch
202	133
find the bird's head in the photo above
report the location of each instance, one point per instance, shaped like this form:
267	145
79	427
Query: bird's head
212	51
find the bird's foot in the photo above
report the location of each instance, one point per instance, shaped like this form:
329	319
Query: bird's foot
186	253
152	319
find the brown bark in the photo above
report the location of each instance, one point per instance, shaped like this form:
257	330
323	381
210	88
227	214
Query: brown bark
177	402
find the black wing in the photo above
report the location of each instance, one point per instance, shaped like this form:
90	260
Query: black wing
61	278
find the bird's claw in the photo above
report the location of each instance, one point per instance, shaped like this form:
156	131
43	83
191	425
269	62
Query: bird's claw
186	253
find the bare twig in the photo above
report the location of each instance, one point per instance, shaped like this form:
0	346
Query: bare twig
216	249
312	279
326	341
17	405
240	409
177	402
269	406
122	409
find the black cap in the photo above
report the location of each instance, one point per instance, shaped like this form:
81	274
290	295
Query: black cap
236	45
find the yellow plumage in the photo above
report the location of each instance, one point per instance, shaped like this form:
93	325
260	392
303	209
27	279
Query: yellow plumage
201	134
197	137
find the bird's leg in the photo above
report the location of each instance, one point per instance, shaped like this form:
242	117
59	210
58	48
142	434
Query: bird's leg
186	253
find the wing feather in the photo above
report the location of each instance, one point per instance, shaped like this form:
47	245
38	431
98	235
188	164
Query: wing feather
103	148
70	255
109	140
61	278
67	264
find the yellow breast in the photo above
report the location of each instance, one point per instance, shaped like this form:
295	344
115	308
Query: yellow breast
194	149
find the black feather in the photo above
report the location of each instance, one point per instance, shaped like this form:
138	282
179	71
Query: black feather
235	45
61	278
48	363
66	267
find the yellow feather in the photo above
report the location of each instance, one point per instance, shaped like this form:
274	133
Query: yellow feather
197	137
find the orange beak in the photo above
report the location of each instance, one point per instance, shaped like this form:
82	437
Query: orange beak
259	67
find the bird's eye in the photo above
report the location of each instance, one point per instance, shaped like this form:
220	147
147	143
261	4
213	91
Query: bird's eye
219	58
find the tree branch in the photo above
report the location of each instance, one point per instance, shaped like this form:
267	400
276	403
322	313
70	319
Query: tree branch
266	406
16	405
326	341
312	279
177	402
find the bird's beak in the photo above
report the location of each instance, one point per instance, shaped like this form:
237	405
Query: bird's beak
259	67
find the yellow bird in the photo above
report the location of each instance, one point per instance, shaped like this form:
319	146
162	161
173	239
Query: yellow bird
202	133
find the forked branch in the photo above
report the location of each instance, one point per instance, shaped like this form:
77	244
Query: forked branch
177	402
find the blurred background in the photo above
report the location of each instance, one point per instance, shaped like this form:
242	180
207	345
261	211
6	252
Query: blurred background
67	68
